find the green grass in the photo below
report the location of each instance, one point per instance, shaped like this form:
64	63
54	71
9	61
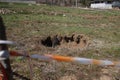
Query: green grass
101	24
95	23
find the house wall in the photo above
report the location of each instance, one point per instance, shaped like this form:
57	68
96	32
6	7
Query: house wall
101	5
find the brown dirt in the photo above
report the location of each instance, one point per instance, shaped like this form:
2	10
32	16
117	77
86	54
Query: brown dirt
67	43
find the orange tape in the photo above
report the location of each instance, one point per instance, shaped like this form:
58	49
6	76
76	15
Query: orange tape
115	63
1	77
97	62
14	53
61	58
4	77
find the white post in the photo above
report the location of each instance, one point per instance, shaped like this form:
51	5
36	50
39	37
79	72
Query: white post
76	4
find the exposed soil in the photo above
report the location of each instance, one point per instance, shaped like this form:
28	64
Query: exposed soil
71	41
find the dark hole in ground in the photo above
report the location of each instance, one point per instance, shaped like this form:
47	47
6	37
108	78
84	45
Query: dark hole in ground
47	42
53	41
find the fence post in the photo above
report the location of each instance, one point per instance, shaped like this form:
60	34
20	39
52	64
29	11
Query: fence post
76	3
4	64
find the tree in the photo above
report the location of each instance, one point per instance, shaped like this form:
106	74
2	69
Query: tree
85	2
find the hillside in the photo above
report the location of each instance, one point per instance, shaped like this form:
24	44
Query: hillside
29	24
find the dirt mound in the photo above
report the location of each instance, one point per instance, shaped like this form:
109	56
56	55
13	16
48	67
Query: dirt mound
71	41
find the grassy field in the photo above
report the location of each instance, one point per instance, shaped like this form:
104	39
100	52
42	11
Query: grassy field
28	24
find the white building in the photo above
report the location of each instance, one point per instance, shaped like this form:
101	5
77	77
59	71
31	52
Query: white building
101	4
